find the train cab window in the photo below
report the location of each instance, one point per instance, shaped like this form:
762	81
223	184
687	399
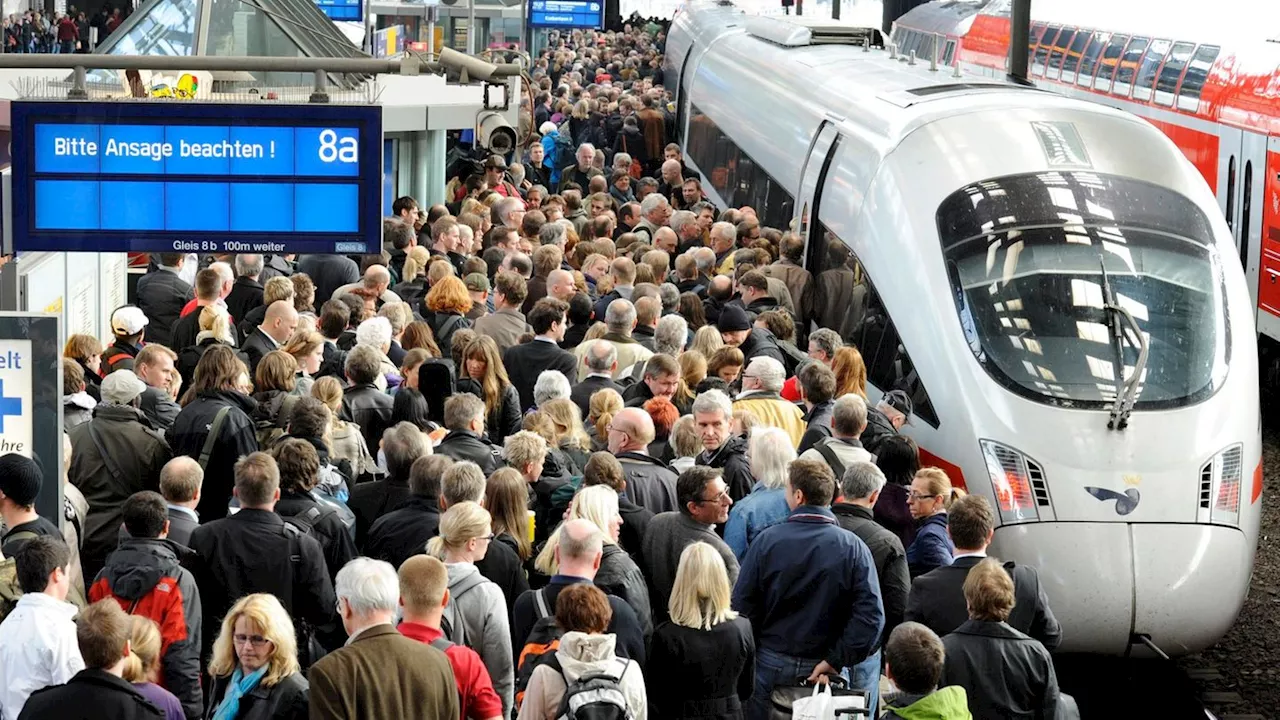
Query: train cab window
1150	67
1089	60
1128	67
1171	73
850	305
950	54
1197	73
1059	50
1110	59
1042	51
1074	52
1034	259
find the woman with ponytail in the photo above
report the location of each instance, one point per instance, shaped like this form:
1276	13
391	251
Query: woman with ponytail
142	668
604	404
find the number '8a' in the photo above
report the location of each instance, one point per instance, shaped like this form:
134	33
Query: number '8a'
334	148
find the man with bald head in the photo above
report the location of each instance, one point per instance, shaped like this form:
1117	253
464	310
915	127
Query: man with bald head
276	327
651	484
375	284
578	554
648	312
560	285
666	240
620	321
672	182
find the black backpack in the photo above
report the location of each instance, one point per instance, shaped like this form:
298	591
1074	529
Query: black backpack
596	695
541	645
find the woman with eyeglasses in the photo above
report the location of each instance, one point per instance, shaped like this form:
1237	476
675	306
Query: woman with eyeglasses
476	615
930	496
254	671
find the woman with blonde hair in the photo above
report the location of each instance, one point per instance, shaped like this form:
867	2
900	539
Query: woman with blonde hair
707	340
930	497
618	574
477	613
254	671
448	303
604	404
482	364
693	370
595	332
704	658
685	442
307	348
215	329
851	372
413	277
345	438
142	668
506	496
569	436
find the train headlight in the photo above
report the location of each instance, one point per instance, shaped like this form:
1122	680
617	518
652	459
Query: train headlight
1222	482
1011	480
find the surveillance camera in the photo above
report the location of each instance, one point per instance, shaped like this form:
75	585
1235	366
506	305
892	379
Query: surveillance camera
495	134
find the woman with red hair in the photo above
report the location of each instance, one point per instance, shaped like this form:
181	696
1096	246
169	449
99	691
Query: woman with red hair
664	415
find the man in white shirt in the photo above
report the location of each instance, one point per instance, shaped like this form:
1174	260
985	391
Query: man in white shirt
38	645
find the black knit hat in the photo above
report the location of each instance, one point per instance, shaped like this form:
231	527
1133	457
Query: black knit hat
20	479
733	318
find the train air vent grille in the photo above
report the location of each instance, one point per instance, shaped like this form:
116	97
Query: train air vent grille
804	31
1039	487
1206	485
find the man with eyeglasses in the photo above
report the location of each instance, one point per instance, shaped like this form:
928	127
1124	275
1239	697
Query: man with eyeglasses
651	484
809	588
704	503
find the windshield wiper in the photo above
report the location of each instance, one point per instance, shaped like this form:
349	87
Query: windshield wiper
1127	394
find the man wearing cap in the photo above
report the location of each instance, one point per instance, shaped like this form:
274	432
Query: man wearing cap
128	325
737	331
886	419
478	288
113	456
495	175
20	481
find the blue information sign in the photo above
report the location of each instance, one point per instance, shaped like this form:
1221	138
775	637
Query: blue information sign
158	177
349	10
567	13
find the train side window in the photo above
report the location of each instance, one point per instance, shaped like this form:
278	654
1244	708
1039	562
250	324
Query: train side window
1037	32
1074	53
1172	71
1110	59
1197	73
1089	60
1149	69
734	175
1231	193
1042	51
1059	50
1246	209
1128	67
950	54
857	313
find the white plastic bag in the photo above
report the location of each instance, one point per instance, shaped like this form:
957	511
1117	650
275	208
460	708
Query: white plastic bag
822	705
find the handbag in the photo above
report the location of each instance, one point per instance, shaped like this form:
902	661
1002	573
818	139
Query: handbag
820	701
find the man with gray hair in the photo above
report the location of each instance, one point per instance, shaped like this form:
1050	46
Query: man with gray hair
579	173
857	493
246	293
688	232
620	320
713	418
823	344
844	447
601	361
761	382
654	213
622	163
671	336
553	233
402	445
353	681
464	418
509	212
376	284
550	385
669	294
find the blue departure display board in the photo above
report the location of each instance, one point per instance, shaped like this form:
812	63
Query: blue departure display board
337	10
567	13
199	177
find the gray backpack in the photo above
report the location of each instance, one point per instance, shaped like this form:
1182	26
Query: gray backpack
451	623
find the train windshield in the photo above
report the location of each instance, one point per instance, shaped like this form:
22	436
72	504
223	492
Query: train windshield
1055	274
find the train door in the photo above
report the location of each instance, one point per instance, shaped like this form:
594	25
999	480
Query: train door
1242	163
812	174
1268	279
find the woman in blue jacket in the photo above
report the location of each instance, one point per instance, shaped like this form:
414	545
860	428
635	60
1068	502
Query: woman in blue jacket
931	494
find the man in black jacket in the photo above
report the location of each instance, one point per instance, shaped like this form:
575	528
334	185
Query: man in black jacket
886	419
603	468
403	533
525	362
184	332
713	415
736	330
276	328
254	551
154	366
651	483
328	272
817	385
602	362
937	597
403	445
661	378
246	293
363	403
859	489
162	295
464	418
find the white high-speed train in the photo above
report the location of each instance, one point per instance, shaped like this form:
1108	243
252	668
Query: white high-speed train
1050	280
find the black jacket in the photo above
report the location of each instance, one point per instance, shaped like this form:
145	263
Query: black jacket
444	325
327	527
582	392
1004	673
761	343
937	600
255	551
236	439
159	408
462	445
818	425
189	357
89	695
573	337
505	418
250	322
650	482
704	674
256	345
185	330
287	700
889	556
403	533
328	272
245	295
732	458
501	565
370	501
161	295
275	266
635	520
878	428
620	577
370	408
525	362
639	393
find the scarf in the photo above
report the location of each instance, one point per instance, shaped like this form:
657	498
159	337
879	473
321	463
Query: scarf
239	687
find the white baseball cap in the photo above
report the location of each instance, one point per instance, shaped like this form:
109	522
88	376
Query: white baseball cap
128	320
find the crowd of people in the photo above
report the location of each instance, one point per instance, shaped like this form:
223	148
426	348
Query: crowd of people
59	32
576	444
